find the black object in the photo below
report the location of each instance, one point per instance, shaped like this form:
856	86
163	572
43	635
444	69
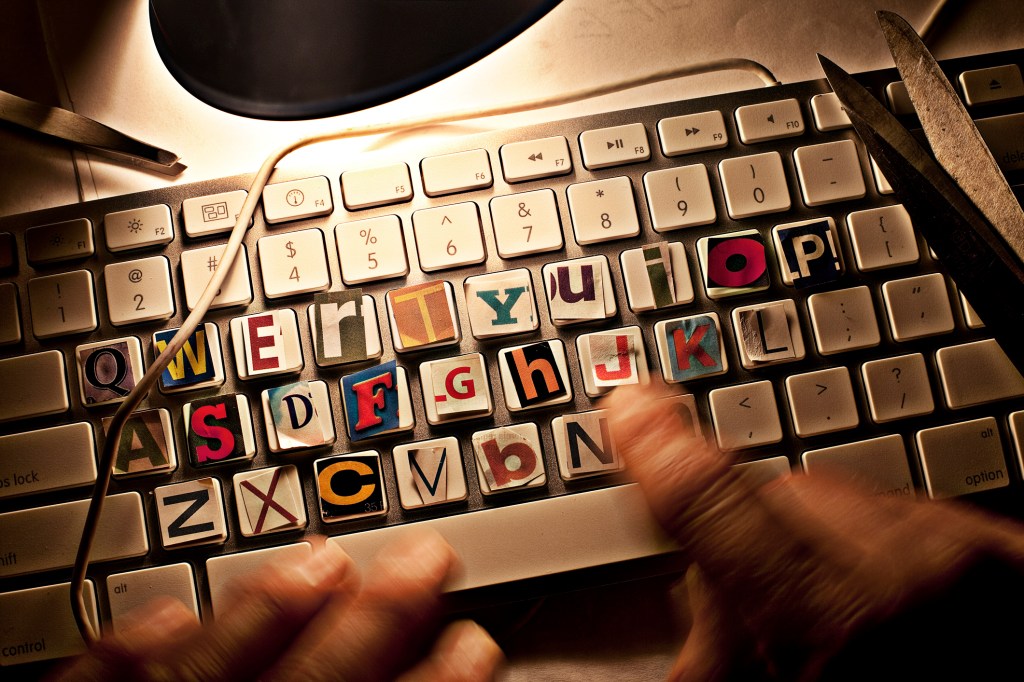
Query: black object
314	58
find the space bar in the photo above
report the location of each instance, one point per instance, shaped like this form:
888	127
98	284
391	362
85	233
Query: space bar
546	537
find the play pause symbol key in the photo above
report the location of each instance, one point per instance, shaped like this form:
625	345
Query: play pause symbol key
606	147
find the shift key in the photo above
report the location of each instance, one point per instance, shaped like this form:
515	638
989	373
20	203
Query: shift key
48	459
46	538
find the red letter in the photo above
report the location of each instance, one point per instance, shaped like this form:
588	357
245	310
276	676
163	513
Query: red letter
623	371
368	400
690	347
222	435
465	390
257	342
496	460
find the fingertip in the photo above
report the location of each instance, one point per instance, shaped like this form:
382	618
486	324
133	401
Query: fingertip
328	566
161	619
469	651
422	557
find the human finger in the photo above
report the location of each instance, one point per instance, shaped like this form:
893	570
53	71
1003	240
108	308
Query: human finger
370	636
149	631
464	653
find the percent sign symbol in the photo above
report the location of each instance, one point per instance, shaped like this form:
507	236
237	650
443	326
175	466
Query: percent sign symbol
367	236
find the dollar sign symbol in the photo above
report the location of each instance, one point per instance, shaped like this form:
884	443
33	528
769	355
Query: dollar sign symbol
291	250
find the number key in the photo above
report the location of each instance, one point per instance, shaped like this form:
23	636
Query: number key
62	304
293	263
754	185
679	197
603	210
139	290
526	223
371	249
448	236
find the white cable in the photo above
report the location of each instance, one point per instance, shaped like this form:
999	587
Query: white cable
145	384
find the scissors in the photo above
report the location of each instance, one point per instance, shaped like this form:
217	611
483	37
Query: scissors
956	196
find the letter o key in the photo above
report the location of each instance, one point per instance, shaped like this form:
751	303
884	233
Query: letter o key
327	492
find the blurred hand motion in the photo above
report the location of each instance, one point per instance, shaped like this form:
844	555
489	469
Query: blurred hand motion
318	620
785	575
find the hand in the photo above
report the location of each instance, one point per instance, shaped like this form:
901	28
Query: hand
787	573
313	621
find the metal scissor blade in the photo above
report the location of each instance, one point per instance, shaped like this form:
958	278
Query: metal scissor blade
952	135
985	269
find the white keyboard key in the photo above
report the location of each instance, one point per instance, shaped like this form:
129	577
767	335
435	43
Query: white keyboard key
829	113
897	388
459	172
448	236
822	402
297	199
198	266
962	458
526	223
879	464
691	348
223	572
455	388
808	252
534	159
745	416
293	263
191	513
583	445
368	187
994	84
266	344
882	237
44	627
679	197
62	304
614	146
1004	136
213	213
133	589
579	290
899	99
762	471
918	306
139	290
138	228
829	172
971	317
881	182
977	373
39	382
657	276
68	240
48	459
10	314
769	121
768	334
108	370
371	249
120	534
603	210
843	320
754	185
692	133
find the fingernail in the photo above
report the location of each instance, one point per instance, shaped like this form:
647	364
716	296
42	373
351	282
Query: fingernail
160	619
473	655
422	555
324	567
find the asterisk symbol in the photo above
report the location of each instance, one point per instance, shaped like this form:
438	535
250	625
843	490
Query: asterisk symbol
599	193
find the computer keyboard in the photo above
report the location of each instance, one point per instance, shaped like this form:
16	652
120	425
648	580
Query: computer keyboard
422	337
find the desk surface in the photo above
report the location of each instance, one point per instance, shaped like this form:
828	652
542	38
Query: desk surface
97	57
